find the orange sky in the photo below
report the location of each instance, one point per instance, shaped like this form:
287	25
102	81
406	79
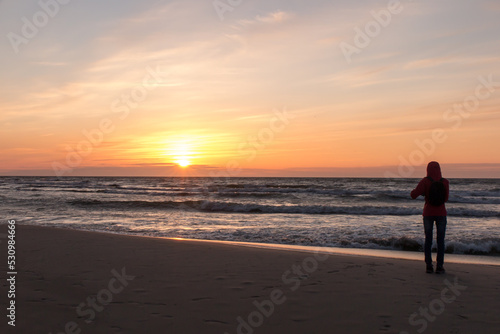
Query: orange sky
268	90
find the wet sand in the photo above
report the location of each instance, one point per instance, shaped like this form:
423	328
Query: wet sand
87	282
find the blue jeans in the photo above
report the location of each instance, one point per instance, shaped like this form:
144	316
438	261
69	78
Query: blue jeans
441	231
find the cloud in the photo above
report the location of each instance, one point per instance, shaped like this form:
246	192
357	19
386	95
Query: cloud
154	169
428	62
276	17
225	77
50	63
270	18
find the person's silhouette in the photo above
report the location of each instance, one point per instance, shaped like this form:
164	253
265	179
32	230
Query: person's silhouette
434	211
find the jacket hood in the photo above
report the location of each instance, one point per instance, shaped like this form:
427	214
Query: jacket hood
434	170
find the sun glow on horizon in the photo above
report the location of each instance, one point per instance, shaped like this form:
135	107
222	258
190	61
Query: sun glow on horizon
181	151
183	162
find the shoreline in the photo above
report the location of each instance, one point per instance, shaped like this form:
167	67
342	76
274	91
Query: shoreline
490	260
109	283
362	252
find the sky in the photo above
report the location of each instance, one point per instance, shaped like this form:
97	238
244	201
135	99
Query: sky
249	88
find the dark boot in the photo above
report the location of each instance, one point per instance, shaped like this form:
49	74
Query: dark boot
440	270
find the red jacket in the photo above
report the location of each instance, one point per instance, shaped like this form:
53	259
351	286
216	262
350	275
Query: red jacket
434	171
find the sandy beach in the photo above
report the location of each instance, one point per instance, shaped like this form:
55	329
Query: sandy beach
86	282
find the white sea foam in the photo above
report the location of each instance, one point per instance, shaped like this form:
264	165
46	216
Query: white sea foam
349	213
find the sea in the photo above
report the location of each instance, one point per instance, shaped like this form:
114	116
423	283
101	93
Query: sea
369	213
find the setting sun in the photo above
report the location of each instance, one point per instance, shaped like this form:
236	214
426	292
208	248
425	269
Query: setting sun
180	150
183	162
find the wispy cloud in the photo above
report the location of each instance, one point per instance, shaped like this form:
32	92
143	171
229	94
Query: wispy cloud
221	80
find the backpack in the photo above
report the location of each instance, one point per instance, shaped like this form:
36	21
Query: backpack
437	192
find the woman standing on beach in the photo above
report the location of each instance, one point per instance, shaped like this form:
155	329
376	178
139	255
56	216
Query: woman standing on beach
433	187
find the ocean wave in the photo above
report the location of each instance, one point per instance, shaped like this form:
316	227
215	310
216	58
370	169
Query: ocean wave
359	192
471	247
475	200
489	246
403	243
231	207
477	247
